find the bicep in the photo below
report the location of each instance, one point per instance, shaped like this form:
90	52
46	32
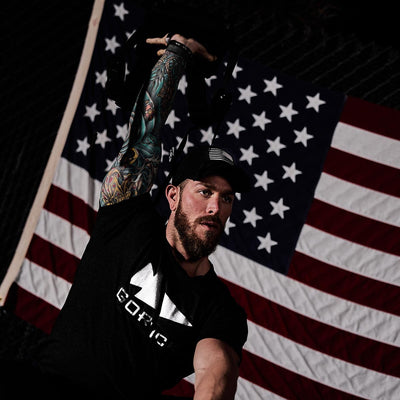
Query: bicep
216	367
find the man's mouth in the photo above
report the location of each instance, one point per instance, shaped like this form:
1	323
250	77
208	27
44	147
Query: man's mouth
211	224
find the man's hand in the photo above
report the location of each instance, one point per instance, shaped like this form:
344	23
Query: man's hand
193	45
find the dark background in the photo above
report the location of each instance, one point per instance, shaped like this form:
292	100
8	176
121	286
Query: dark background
347	46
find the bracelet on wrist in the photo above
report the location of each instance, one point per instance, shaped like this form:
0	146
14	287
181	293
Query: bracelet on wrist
180	49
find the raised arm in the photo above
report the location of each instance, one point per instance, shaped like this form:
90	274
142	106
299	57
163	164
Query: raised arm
216	367
135	167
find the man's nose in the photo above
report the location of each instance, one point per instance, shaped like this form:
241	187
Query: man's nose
213	205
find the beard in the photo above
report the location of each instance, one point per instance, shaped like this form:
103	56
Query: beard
196	247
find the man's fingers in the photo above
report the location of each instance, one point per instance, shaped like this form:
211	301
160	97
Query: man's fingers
155	41
162	40
192	44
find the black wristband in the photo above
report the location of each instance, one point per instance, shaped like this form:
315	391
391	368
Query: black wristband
179	49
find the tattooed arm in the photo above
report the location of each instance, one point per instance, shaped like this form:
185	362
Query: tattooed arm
135	167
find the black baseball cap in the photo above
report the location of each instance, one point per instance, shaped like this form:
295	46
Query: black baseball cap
200	162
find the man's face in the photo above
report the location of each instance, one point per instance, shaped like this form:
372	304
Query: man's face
202	211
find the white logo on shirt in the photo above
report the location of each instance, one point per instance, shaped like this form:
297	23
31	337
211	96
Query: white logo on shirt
148	282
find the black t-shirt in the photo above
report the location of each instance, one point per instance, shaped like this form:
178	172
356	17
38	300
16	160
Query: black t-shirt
133	316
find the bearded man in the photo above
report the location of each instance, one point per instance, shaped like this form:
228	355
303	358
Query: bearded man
146	308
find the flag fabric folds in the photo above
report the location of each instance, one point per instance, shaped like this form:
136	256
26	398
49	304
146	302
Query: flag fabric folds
311	253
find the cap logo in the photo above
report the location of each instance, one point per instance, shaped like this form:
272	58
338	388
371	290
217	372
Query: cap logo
216	154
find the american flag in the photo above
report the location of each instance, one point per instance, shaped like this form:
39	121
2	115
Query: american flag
311	253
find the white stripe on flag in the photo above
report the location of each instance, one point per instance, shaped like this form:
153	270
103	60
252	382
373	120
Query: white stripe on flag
77	181
365	144
247	390
305	300
320	367
359	200
348	255
43	284
62	233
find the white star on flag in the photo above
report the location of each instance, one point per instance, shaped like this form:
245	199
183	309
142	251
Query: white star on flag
83	146
129	34
207	135
236	70
263	180
229	224
109	164
120	11
102	138
182	84
246	94
112	106
251	217
260	120
188	143
266	242
314	102
302	136
275	146
122	131
235	128
101	78
290	172
278	208
287	112
248	155
210	79
172	118
112	44
272	86
92	111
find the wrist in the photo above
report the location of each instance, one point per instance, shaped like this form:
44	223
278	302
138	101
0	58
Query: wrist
177	47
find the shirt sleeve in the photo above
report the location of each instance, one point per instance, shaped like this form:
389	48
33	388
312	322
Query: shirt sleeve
136	216
226	321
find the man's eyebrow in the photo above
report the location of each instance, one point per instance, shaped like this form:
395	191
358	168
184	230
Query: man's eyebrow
212	186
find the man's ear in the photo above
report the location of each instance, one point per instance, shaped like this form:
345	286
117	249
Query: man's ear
172	195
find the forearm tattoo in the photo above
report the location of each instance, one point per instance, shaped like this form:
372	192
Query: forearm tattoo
135	167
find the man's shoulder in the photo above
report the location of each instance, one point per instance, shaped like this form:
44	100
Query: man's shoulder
134	213
129	204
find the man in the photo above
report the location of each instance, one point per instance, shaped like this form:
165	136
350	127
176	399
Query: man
146	308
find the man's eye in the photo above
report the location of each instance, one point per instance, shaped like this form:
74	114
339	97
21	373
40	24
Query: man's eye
228	199
205	192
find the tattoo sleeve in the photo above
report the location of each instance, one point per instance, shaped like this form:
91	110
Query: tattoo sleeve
136	165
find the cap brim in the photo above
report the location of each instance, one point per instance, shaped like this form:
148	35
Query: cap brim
237	178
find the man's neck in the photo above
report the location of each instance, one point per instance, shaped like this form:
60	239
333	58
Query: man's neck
192	268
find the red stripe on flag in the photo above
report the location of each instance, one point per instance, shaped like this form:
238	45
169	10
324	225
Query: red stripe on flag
371	117
365	352
286	383
32	309
354	227
183	388
71	208
53	258
363	172
344	284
